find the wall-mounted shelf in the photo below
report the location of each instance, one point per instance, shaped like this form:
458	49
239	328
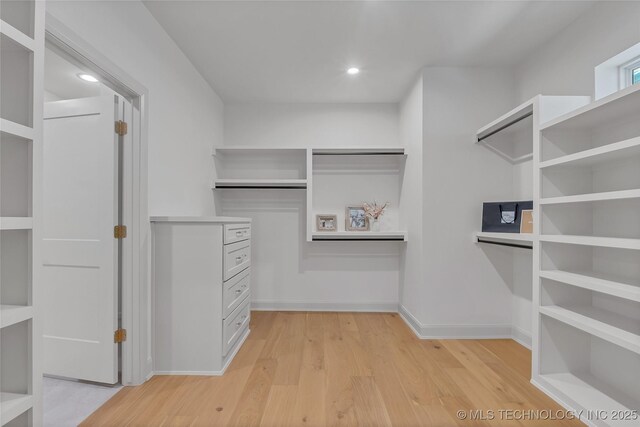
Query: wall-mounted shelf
16	223
592	197
370	151
596	282
16	35
16	129
515	240
606	153
260	183
605	242
12	314
13	405
360	235
257	149
604	324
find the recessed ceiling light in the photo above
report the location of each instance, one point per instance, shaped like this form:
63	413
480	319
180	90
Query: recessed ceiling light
353	71
88	78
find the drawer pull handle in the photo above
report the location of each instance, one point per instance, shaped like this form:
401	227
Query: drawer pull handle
238	291
239	324
238	259
238	233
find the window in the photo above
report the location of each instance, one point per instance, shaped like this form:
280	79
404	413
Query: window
630	73
635	75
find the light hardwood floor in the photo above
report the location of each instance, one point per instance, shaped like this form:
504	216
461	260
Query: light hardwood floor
366	369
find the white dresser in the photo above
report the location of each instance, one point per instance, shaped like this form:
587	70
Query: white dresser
201	286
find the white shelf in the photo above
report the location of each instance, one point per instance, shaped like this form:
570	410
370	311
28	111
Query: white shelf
360	235
525	240
596	282
260	183
605	242
624	103
592	197
13	405
359	151
17	36
16	223
588	393
606	153
256	148
505	121
12	128
609	326
12	314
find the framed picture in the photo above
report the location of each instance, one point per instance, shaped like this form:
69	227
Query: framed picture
327	222
526	221
356	219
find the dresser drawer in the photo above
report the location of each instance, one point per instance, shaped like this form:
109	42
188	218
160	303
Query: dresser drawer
235	290
237	257
235	325
236	232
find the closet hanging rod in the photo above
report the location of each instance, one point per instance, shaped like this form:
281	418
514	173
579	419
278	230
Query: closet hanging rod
511	245
503	127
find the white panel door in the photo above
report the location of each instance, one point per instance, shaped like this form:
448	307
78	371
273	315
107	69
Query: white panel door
80	254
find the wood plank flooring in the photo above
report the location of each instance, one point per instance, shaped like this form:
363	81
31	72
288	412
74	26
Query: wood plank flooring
343	369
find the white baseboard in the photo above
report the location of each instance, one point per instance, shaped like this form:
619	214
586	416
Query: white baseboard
386	307
486	331
521	336
210	373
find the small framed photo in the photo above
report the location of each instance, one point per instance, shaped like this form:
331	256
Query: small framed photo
327	222
526	221
356	219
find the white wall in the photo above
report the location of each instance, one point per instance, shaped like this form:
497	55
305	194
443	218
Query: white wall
412	200
288	272
565	65
467	286
185	114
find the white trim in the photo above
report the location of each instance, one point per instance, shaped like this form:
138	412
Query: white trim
469	331
374	306
136	288
221	372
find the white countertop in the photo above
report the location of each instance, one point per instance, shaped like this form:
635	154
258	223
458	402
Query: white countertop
210	219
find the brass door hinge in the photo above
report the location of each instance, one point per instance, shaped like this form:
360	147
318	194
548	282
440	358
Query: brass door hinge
120	335
120	231
121	128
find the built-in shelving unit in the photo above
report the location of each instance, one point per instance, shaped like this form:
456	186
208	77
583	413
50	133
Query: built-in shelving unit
21	74
332	177
586	272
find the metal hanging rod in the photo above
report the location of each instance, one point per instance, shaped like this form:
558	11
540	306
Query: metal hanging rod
503	127
511	245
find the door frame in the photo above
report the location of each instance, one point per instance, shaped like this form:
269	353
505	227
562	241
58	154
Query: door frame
136	361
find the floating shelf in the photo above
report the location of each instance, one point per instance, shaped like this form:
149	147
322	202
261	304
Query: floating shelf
12	314
260	183
606	153
596	282
12	128
592	197
248	149
371	151
517	240
605	242
588	393
16	223
13	405
17	36
359	235
607	325
599	113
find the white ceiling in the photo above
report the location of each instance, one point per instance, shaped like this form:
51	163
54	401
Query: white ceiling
298	51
